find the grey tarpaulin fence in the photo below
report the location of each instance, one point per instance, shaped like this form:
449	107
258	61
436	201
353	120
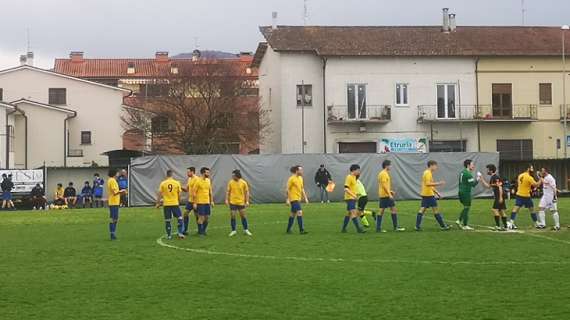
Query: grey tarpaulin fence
267	174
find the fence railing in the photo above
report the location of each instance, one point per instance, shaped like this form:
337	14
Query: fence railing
517	112
369	113
75	153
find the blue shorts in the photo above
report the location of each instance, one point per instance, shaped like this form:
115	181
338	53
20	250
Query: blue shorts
170	211
114	212
295	206
6	195
204	210
429	202
189	206
236	207
524	202
387	203
350	205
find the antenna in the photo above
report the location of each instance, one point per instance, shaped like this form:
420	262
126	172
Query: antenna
305	12
28	46
196	43
523	12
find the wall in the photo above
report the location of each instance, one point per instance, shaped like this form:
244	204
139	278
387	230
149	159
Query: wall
76	175
270	95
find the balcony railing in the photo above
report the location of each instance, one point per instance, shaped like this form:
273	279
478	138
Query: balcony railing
483	113
565	110
75	153
369	113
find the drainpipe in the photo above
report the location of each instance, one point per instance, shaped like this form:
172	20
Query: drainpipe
477	104
23	113
65	138
325	104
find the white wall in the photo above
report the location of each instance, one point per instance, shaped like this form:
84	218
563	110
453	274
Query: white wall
270	92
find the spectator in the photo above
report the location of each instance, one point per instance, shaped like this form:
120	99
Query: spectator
98	190
58	197
87	195
70	195
39	199
322	179
123	181
7	186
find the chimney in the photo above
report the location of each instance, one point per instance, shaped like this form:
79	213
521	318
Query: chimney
161	56
452	23
30	58
445	26
76	56
196	54
274	20
23	59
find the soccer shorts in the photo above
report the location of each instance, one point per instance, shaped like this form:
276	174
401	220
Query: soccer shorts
350	205
429	202
114	212
499	205
295	206
170	211
236	207
524	202
189	206
465	199
7	195
362	202
548	202
204	209
387	203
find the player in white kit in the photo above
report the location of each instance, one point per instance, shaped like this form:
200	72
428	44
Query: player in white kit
548	200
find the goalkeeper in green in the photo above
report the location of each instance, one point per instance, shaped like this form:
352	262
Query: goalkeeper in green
466	184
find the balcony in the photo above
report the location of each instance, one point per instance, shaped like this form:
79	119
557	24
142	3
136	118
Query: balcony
480	113
338	114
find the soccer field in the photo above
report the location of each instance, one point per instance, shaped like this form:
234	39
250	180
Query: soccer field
61	265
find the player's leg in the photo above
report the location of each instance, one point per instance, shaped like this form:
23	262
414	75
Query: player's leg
541	223
300	222
420	217
354	216
439	218
208	211
167	221
347	216
362	202
233	222
555	216
514	212
244	222
113	220
533	213
379	217
178	214
394	216
186	217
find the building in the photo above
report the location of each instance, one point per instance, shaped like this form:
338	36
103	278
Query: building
436	88
147	79
57	120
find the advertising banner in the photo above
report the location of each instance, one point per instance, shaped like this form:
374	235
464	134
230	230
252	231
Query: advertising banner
403	145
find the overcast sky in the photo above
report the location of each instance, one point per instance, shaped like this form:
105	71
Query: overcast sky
137	28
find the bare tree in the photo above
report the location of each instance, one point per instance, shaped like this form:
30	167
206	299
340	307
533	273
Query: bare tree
202	107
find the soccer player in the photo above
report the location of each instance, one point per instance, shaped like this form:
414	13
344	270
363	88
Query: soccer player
526	183
386	197
58	196
70	195
237	198
98	190
87	195
499	205
204	200
296	193
114	201
192	178
548	200
7	185
466	184
362	202
350	198
169	193
428	193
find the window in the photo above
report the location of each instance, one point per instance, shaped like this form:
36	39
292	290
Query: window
515	149
447	146
156	90
306	91
1	94
131	68
356	101
402	94
224	120
357	147
57	96
162	124
545	93
446	101
85	137
502	100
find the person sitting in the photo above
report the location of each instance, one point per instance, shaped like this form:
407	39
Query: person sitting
39	200
58	197
123	181
87	195
70	195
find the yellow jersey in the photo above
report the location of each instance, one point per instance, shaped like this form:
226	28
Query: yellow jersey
427	191
202	188
190	185
170	190
59	193
384	184
238	191
295	188
114	197
350	183
525	182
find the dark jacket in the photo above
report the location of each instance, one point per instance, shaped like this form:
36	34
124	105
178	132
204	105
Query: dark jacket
7	185
38	192
69	192
123	182
322	177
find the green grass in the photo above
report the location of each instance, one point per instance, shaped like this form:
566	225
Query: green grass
61	265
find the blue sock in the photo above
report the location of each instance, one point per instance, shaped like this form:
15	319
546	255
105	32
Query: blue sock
513	216
300	223
419	218
290	223
233	224
200	228
205	226
168	228
180	225
395	220
439	219
345	222
379	222
111	227
186	223
356	224
534	217
244	224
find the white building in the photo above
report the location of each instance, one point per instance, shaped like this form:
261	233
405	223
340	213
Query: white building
57	120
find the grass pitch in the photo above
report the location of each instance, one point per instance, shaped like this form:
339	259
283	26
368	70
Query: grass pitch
61	265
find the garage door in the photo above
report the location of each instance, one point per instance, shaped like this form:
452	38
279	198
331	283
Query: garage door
357	147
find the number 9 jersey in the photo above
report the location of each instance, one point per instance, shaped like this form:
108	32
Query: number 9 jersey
170	190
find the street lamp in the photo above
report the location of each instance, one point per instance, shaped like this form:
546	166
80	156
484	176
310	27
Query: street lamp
565	107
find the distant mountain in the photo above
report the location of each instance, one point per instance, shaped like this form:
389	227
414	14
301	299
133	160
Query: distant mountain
208	54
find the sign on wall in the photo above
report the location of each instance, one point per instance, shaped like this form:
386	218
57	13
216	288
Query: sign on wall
24	180
403	145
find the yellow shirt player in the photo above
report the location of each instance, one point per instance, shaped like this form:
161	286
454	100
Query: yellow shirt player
350	197
114	201
428	192
296	193
525	184
191	173
237	198
169	193
203	199
386	195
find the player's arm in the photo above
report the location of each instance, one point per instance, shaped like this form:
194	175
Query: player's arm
305	196
194	195
228	195
435	184
247	195
485	183
500	186
158	198
211	196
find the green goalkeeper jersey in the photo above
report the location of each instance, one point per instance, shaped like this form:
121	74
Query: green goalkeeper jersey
466	182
